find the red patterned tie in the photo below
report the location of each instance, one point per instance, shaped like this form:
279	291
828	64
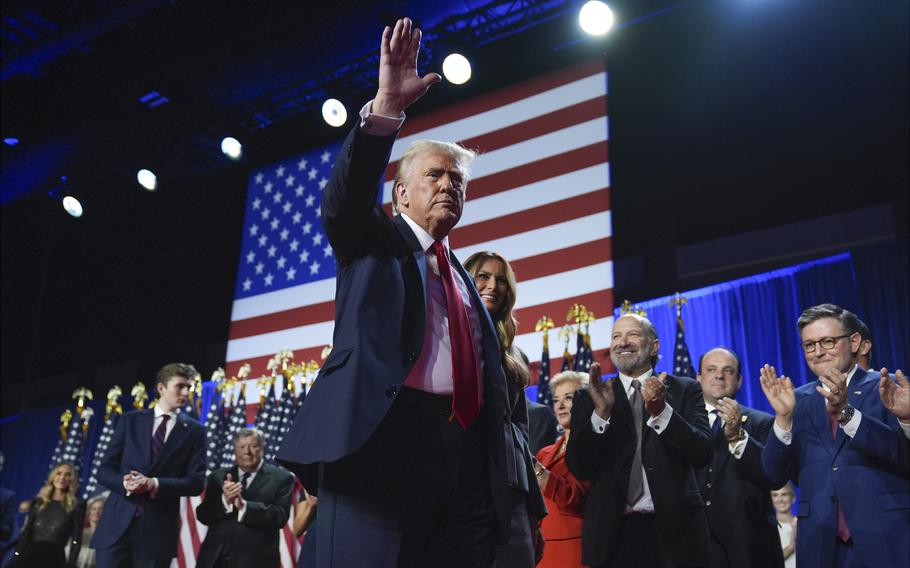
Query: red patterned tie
158	438
465	387
843	531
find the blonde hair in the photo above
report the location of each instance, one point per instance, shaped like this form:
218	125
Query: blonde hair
46	493
580	379
506	324
462	156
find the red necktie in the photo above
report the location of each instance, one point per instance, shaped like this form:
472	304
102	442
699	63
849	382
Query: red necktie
465	387
843	531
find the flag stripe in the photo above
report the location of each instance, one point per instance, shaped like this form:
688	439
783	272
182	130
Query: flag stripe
539	196
599	302
422	125
534	218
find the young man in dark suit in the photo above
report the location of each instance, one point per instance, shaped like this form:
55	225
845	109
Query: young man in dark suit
245	507
734	485
155	457
638	438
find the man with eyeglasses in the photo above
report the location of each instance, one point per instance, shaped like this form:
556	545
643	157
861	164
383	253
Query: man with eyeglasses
841	445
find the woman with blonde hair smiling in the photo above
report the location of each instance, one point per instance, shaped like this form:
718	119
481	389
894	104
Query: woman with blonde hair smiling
495	282
54	520
563	493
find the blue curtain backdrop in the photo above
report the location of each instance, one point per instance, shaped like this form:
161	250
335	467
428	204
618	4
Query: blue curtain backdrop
754	316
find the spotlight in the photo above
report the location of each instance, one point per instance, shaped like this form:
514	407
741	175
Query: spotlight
456	68
232	148
595	18
11	141
72	206
334	113
147	179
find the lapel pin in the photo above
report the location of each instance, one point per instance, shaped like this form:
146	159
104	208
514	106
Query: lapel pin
857	392
743	419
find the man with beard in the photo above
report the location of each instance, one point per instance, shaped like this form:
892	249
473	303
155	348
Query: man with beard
638	438
734	485
847	451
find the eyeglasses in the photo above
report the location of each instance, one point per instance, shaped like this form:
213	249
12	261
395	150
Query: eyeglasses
827	343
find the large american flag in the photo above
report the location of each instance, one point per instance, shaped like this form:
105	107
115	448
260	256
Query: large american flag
539	195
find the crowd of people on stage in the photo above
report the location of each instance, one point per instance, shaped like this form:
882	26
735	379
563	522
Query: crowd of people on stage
417	446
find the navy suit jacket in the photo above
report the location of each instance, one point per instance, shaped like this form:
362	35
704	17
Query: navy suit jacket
669	459
737	495
380	314
866	474
179	467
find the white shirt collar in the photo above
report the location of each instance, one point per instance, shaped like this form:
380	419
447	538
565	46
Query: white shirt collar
426	239
160	412
627	380
254	472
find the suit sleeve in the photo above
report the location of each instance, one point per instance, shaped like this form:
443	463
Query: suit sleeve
882	443
110	473
192	479
585	447
567	492
534	500
688	432
273	515
350	198
211	509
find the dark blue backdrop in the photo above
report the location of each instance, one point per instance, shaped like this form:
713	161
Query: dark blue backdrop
755	316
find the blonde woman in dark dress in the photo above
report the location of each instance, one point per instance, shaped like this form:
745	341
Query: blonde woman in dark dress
54	520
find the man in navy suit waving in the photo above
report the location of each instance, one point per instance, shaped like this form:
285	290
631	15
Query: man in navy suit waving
155	457
406	431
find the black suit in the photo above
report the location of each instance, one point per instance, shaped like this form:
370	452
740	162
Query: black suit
542	426
254	540
669	460
738	501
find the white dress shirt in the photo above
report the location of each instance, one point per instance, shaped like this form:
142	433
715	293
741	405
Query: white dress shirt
657	423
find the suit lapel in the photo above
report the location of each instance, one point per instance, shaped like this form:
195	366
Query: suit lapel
173	440
145	421
261	479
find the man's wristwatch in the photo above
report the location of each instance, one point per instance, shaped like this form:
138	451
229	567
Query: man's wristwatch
846	414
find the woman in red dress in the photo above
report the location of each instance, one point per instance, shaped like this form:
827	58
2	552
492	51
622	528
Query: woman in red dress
564	495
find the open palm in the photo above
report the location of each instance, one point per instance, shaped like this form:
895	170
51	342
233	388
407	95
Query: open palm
399	83
778	390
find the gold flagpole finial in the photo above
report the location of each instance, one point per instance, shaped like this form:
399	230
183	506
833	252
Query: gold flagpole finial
678	301
65	419
113	405
79	395
140	395
326	351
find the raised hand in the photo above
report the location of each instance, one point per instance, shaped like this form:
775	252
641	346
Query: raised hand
834	389
399	83
655	394
601	393
779	392
730	413
895	396
231	489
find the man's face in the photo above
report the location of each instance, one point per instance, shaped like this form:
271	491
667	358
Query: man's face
433	193
630	347
841	357
248	453
174	393
719	376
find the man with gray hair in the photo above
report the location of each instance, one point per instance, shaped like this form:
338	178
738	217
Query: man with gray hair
836	439
638	438
407	431
245	507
